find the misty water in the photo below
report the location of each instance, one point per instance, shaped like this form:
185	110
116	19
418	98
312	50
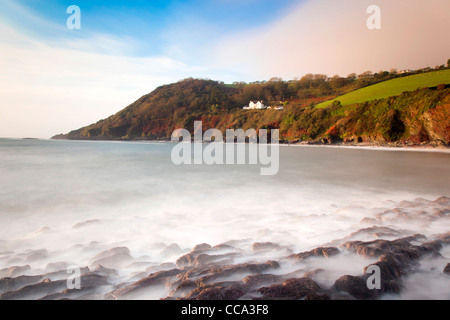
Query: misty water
74	199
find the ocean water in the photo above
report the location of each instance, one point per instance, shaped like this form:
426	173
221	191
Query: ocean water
74	199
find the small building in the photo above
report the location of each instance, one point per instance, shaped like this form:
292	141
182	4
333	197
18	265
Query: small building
258	105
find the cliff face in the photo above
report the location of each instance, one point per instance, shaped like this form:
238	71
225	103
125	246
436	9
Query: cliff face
417	117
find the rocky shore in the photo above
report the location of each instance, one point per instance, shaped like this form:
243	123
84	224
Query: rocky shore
242	269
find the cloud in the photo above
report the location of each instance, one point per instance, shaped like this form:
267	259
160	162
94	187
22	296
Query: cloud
46	90
331	37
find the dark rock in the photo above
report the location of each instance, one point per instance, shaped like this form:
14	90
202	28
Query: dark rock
159	278
189	258
377	232
355	286
12	284
224	247
183	288
35	291
401	249
219	272
447	269
115	258
206	259
315	296
431	246
313	273
112	252
90	284
265	246
216	292
291	289
101	270
186	260
318	252
202	247
259	280
14	271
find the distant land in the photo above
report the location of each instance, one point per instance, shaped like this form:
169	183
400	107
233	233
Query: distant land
409	107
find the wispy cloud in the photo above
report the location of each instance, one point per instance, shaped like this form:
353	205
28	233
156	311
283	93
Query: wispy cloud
46	90
331	37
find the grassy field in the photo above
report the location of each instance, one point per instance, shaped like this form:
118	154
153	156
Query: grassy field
392	87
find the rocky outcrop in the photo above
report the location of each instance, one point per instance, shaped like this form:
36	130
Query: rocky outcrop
291	289
447	269
240	269
325	252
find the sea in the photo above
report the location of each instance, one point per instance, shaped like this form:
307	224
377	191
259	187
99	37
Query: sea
70	200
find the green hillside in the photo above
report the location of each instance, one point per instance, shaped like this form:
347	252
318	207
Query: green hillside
392	87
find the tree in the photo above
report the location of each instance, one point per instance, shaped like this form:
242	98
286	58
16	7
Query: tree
448	63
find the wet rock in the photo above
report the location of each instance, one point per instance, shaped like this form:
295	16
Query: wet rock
93	279
12	284
217	292
260	280
101	270
377	232
213	273
318	252
442	201
291	289
265	246
313	273
35	291
431	246
90	283
401	249
159	278
201	247
355	286
318	297
183	288
391	272
223	246
115	258
186	260
447	269
189	258
445	238
14	271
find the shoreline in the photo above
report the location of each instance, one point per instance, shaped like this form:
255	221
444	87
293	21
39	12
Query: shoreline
426	147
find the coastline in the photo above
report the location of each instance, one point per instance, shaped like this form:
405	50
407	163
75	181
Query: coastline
434	146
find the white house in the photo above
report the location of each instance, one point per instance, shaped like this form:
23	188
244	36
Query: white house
259	105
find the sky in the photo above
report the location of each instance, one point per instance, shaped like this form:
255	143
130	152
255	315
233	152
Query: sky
54	79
